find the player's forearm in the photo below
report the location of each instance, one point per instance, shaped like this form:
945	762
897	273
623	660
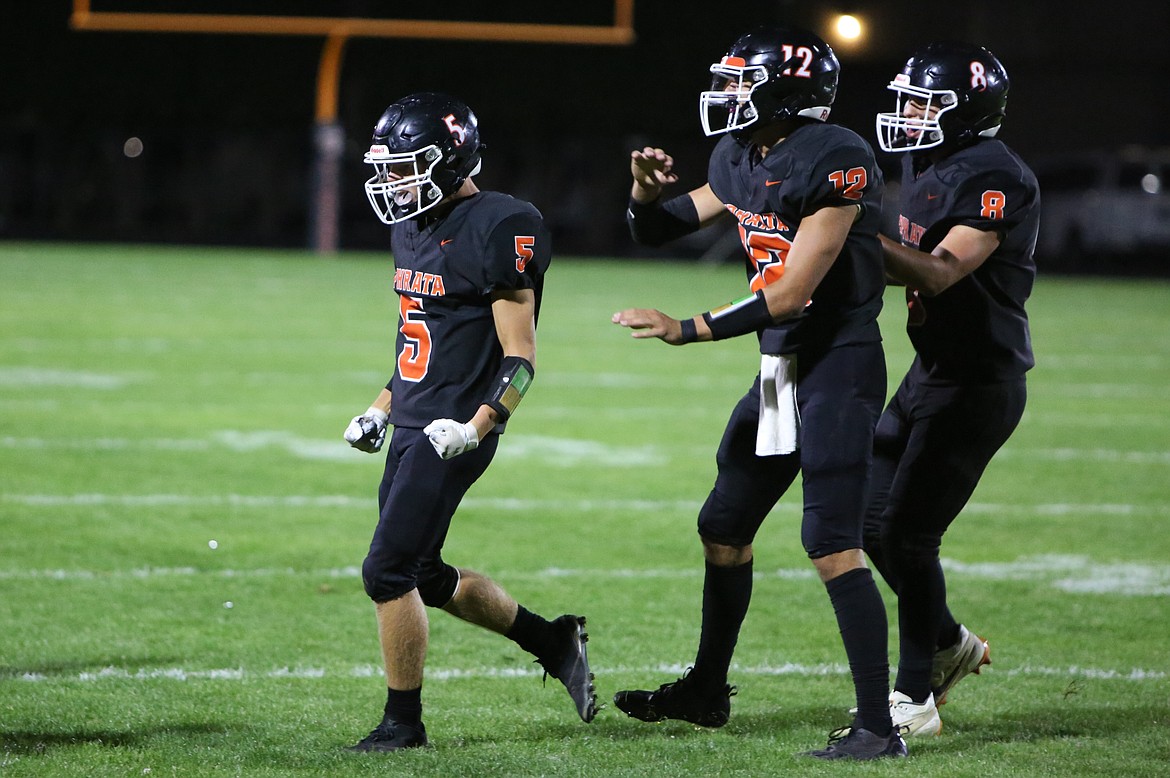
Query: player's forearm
485	420
383	402
916	269
654	223
786	300
642	194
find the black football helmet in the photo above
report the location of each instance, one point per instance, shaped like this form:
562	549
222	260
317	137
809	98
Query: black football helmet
424	147
769	75
959	92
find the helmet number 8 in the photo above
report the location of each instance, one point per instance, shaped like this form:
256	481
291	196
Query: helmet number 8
978	75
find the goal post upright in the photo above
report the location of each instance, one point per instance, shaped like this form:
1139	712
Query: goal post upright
328	135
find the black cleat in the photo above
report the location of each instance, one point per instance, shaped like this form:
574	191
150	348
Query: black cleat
681	700
391	735
861	745
570	664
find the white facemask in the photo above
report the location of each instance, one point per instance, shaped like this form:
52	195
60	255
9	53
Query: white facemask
402	187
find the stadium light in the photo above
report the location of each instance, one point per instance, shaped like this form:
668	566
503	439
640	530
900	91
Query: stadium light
847	31
849	27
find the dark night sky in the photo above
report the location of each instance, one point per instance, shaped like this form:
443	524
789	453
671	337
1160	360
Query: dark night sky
551	114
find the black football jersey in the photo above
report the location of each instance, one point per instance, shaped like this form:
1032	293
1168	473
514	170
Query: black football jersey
977	329
816	166
445	271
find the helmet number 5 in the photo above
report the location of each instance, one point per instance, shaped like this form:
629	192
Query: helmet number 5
457	131
415	357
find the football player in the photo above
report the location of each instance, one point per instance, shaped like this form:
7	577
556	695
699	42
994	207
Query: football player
468	269
807	197
969	213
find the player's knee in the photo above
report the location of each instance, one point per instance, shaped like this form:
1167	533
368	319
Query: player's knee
908	546
437	584
871	528
724	523
722	555
385	582
871	541
831	531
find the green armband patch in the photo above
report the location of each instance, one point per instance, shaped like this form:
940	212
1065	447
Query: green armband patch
739	318
512	382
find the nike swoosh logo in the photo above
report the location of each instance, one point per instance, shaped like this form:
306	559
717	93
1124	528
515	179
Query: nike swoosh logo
773	183
445	242
933	197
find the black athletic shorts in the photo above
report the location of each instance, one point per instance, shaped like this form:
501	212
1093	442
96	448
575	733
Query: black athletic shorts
839	394
931	447
417	498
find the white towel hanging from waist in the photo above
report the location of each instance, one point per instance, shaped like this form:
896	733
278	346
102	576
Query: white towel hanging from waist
779	428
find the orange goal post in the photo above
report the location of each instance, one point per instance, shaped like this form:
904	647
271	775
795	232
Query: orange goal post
336	31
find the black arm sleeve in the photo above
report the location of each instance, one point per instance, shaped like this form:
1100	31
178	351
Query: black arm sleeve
655	223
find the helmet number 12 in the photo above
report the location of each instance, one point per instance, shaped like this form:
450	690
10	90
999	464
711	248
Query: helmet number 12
806	56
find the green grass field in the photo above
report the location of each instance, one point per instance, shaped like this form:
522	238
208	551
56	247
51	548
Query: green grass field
152	400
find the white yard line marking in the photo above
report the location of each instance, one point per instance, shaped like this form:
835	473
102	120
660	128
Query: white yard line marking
212	500
551	451
1107	391
1036	510
182	674
74	379
1071	574
1087	455
1062	419
645	381
340	501
572	452
1107	362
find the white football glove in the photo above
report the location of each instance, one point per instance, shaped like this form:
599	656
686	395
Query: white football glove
368	431
451	438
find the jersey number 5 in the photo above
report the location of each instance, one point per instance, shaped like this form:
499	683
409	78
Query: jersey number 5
415	357
524	244
768	252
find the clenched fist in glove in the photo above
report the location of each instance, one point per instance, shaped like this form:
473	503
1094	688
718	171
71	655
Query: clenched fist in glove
451	438
368	431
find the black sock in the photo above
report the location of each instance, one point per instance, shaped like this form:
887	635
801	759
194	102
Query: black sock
727	592
531	632
948	631
920	609
404	707
861	617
